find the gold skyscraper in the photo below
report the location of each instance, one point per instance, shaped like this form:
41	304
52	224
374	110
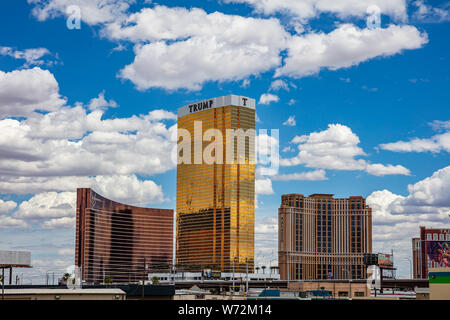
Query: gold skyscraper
215	199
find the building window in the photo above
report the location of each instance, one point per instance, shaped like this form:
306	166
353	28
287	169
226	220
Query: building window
359	294
429	236
441	237
448	237
435	236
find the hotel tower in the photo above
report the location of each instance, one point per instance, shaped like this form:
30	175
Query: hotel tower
216	184
320	237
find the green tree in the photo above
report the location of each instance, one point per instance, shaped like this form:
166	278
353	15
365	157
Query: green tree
66	276
155	280
108	280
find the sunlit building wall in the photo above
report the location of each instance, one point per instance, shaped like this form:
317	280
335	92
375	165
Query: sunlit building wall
320	237
215	201
120	242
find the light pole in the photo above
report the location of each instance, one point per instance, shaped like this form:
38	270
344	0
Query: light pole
410	267
246	279
232	292
270	265
349	283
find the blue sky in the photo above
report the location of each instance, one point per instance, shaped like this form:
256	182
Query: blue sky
368	108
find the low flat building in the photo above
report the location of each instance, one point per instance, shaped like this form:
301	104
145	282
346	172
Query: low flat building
198	276
439	279
64	294
335	288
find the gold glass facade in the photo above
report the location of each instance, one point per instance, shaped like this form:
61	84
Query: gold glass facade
215	202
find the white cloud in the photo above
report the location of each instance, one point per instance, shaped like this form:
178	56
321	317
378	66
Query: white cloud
28	90
157	115
336	148
31	56
47	205
290	121
266	241
58	208
179	48
396	218
427	13
51	154
432	191
267	98
7	206
60	223
435	144
92	11
314	175
122	188
101	103
43	145
438	125
263	186
308	9
7	222
378	169
128	189
278	84
346	46
188	47
66	252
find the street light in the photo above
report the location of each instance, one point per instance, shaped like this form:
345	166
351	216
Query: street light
270	264
349	283
410	266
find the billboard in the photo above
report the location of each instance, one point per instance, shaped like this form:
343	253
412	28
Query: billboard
211	274
385	260
15	258
438	253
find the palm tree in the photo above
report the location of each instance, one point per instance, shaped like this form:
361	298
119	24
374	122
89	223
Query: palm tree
108	280
263	268
257	269
155	280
